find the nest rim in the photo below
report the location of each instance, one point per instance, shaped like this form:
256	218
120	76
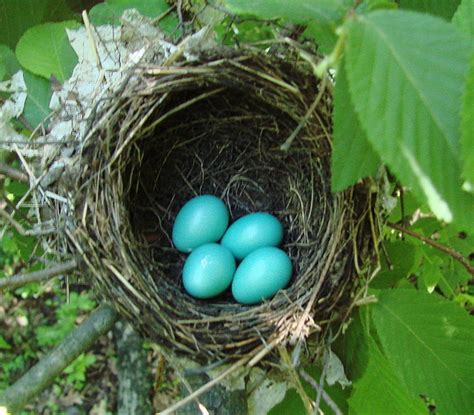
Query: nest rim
216	329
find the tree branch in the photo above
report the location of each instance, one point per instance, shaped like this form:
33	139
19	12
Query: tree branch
447	250
44	372
13	173
19	280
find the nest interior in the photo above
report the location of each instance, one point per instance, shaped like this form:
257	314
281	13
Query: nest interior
216	126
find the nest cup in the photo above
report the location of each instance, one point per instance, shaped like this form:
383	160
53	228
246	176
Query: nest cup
217	126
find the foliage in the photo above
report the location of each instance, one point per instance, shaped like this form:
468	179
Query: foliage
403	97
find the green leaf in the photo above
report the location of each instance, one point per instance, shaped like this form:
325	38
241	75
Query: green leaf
431	272
463	19
8	61
297	11
381	391
403	259
16	16
467	126
110	12
409	111
441	8
323	34
353	347
38	98
45	50
428	340
352	155
4	344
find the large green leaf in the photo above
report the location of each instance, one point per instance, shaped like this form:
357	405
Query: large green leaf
45	50
38	98
16	16
352	155
381	391
410	111
441	8
464	17
429	341
467	126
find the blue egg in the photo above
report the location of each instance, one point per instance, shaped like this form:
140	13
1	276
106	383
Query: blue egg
251	232
201	220
261	274
208	271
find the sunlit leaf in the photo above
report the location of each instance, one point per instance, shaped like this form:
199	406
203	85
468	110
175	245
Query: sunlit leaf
352	155
467	126
464	17
45	50
381	391
412	113
428	341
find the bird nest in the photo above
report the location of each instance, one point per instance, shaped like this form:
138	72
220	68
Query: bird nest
253	128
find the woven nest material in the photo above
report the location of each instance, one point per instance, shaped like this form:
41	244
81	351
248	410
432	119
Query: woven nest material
216	126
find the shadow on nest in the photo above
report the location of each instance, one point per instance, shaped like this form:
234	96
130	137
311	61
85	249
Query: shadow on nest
253	128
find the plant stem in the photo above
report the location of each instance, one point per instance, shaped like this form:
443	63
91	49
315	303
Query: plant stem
451	252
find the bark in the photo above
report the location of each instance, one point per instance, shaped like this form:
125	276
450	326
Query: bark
134	377
40	376
19	280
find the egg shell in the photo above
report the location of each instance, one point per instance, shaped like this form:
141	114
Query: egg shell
261	274
208	271
251	232
201	220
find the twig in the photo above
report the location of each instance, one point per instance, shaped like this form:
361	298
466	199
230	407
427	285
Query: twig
19	280
451	252
45	371
320	390
295	380
287	144
13	173
19	227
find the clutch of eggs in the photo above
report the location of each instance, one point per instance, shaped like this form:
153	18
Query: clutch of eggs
210	269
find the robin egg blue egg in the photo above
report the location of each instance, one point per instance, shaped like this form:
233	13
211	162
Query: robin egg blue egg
201	220
251	232
261	274
208	271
